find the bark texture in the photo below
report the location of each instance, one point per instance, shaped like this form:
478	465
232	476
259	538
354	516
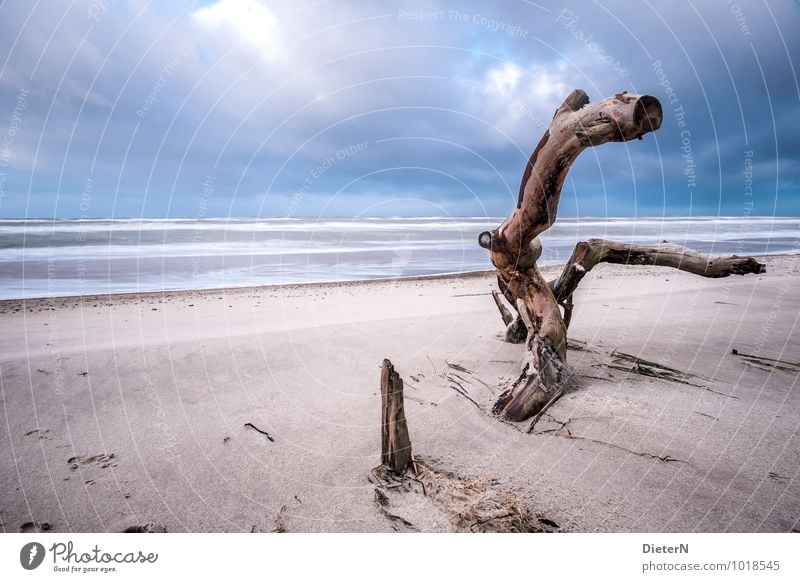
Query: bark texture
515	246
505	314
395	442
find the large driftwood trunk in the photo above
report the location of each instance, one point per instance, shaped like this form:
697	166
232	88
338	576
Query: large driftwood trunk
395	442
515	248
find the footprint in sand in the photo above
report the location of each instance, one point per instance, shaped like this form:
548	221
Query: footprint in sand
101	461
87	465
146	528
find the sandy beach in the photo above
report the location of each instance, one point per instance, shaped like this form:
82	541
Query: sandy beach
125	411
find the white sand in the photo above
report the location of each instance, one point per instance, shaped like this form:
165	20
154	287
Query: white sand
166	383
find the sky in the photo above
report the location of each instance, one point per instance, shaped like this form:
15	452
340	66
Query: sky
308	108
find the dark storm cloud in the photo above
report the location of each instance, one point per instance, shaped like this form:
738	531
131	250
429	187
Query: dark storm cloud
236	107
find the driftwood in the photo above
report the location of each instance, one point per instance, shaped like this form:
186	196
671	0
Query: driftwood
395	442
515	247
505	314
589	253
255	428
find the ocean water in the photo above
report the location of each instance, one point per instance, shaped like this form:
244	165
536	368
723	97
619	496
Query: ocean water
45	258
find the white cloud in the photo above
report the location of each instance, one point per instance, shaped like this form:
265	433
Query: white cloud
244	21
518	102
503	79
549	87
509	80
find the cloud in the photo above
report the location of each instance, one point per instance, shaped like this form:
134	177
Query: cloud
517	101
149	100
503	79
246	21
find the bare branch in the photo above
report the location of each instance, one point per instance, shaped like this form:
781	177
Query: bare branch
588	254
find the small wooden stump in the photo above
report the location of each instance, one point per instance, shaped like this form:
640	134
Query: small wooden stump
395	442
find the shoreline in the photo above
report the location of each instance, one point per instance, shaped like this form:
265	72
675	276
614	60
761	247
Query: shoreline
548	269
252	288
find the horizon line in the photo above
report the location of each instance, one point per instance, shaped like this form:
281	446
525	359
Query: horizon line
393	217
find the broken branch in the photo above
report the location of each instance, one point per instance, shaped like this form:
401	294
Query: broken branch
589	253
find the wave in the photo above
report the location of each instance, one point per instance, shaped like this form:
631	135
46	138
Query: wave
42	257
204	250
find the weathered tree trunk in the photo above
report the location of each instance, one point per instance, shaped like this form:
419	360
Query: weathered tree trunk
395	442
515	247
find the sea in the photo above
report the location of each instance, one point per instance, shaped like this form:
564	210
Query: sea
48	258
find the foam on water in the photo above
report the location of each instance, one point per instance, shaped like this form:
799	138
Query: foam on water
40	258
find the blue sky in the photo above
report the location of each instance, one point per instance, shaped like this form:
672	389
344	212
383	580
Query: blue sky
351	108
